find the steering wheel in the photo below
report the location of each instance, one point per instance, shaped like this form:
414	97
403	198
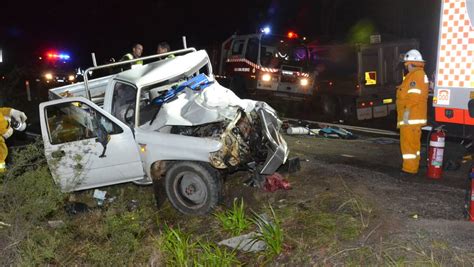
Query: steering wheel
129	114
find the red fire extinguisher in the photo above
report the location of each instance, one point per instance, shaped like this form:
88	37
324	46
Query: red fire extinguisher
435	154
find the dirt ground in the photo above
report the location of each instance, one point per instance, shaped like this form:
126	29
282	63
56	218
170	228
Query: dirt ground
411	218
413	209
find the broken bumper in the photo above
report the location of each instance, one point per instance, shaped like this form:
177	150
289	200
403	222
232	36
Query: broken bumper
277	147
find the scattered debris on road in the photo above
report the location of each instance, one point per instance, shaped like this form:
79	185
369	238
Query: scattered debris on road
99	196
315	129
73	208
245	243
347	156
56	224
132	205
2	224
291	165
276	181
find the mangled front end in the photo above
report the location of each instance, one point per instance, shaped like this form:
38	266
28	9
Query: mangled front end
248	130
252	137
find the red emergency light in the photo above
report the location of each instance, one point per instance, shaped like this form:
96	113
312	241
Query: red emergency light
292	35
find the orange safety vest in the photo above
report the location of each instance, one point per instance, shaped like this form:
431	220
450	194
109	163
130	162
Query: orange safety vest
412	98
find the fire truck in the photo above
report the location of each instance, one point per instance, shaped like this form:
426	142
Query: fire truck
358	81
339	81
266	66
453	98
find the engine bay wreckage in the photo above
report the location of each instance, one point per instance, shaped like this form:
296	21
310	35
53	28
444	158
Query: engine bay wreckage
247	130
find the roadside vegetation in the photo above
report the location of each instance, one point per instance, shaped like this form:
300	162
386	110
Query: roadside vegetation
41	226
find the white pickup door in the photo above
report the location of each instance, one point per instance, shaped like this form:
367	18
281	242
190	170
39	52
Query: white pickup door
74	131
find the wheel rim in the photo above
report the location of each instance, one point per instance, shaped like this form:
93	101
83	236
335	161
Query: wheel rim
192	189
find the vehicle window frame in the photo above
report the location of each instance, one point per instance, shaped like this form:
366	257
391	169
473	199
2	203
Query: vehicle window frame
113	130
241	44
253	46
126	103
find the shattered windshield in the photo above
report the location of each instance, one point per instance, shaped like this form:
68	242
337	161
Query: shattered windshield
277	51
149	110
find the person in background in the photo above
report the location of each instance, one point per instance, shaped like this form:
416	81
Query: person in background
412	101
164	47
137	51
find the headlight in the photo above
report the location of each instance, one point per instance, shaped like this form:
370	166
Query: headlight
71	78
48	76
266	77
304	82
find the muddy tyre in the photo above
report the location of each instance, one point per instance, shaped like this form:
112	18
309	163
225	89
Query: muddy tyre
193	188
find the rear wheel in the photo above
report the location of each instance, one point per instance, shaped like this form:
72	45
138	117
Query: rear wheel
193	188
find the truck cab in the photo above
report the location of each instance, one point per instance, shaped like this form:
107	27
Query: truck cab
267	66
358	81
166	122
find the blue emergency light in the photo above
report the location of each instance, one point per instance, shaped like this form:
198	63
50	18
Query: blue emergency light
64	56
266	30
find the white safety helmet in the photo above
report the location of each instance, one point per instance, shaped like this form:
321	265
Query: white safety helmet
413	56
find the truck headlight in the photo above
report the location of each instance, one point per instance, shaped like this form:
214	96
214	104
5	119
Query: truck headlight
71	78
48	76
304	82
266	77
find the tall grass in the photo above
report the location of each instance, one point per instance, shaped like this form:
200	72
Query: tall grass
213	255
270	232
234	220
178	247
181	251
28	198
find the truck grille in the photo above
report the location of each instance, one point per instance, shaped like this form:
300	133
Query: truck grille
288	78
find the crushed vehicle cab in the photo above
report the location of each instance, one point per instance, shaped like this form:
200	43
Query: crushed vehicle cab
166	122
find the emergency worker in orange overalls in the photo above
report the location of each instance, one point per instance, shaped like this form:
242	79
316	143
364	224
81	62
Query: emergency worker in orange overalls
6	114
412	98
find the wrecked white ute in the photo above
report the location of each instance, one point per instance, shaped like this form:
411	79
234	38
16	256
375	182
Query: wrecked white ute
183	133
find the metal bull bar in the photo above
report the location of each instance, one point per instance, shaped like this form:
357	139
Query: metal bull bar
159	56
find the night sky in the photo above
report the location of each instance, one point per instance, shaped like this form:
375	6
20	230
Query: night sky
109	28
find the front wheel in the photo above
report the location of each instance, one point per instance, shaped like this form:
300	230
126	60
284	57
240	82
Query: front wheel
193	188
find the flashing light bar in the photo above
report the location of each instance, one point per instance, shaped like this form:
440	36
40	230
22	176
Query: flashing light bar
56	56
